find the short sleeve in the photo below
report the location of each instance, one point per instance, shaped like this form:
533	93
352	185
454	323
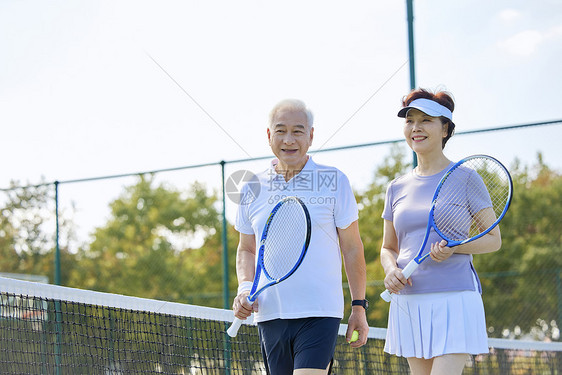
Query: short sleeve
243	223
346	210
478	195
387	213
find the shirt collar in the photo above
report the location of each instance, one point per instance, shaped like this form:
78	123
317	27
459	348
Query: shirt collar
310	165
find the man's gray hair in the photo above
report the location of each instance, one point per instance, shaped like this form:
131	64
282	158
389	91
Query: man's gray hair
293	104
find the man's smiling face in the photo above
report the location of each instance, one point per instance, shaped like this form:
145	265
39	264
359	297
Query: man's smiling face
290	137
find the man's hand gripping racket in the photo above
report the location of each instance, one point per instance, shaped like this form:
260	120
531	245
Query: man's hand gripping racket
470	200
283	245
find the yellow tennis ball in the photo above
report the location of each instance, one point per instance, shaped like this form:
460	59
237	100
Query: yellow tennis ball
354	336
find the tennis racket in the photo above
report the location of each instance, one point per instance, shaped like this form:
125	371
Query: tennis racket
283	245
470	200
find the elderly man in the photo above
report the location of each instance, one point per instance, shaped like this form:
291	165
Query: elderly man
298	319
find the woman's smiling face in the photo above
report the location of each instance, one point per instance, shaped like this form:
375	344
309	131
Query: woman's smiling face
424	133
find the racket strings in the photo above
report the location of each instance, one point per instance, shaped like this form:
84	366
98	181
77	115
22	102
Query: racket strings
285	240
477	184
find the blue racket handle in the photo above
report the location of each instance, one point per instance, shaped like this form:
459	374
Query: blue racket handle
407	272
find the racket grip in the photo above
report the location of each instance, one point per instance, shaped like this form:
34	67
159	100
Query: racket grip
236	323
233	329
386	295
407	272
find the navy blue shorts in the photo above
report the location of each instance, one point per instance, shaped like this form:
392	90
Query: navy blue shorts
289	344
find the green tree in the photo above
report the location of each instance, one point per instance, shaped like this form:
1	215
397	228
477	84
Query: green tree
207	283
150	246
521	281
27	231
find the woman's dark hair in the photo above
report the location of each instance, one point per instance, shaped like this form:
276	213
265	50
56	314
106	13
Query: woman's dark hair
442	97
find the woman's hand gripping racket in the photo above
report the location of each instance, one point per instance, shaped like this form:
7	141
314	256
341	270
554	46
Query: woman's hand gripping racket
470	200
283	245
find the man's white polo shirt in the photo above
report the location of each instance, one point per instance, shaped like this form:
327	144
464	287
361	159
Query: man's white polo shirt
315	289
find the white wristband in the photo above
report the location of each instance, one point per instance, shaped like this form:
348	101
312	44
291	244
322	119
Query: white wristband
245	286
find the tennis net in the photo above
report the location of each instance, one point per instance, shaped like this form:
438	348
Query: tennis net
47	329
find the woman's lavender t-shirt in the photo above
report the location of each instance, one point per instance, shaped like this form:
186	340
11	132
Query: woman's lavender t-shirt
407	205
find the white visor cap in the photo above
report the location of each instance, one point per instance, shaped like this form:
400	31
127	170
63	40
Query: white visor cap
429	107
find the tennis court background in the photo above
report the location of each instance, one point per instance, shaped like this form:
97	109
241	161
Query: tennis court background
84	203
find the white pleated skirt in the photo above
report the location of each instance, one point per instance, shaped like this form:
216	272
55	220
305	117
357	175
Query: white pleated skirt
433	324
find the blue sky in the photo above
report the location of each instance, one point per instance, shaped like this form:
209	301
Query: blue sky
92	88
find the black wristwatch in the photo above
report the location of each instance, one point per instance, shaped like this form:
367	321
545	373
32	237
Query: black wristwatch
360	302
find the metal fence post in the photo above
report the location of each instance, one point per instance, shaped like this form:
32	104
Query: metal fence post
57	246
411	58
226	296
58	313
559	295
225	277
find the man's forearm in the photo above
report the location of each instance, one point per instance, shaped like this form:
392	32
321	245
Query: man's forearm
355	269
